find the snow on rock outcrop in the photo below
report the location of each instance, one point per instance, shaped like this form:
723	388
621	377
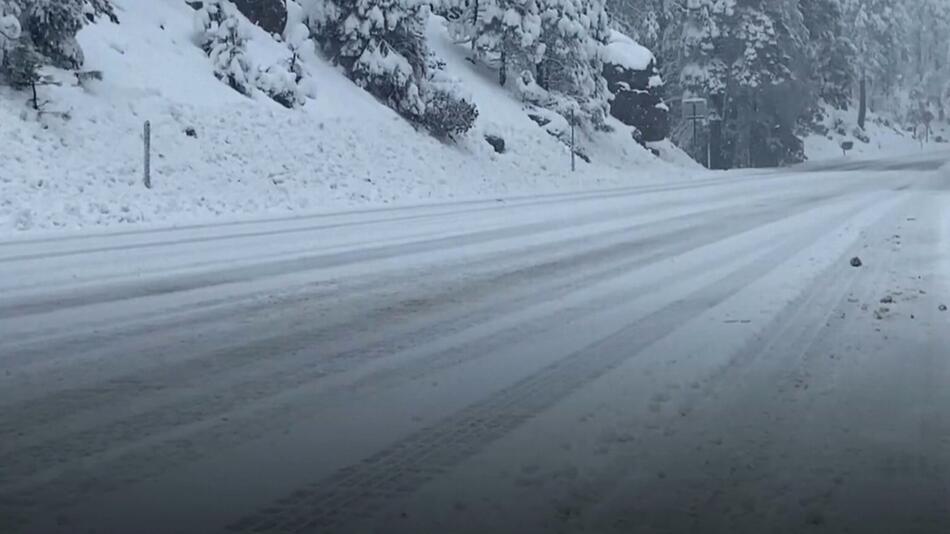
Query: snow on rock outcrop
633	78
623	51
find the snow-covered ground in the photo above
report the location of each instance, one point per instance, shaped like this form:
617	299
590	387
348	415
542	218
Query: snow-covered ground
885	139
252	157
655	358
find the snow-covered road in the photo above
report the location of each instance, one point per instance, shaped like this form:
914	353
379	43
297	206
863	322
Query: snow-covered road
692	357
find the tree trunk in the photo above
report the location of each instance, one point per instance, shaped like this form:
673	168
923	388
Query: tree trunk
474	27
863	105
503	69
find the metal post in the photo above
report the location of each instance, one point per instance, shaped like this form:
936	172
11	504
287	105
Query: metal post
148	155
695	137
573	152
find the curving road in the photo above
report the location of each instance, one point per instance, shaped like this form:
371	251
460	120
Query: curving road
677	358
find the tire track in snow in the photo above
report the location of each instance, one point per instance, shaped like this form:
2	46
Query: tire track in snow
123	291
37	413
776	370
360	490
146	463
431	211
794	331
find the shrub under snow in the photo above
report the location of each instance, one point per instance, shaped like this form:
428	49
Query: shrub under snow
280	84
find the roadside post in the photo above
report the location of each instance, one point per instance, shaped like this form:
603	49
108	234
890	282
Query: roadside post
696	110
147	135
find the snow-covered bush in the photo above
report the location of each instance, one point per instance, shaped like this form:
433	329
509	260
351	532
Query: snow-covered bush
448	111
447	115
222	36
280	84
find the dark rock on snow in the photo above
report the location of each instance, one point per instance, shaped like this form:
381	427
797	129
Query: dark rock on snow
636	102
271	15
496	142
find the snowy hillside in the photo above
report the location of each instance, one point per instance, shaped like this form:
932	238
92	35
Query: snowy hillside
251	155
880	138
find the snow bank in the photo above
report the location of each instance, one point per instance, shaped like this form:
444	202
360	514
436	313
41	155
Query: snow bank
250	156
882	138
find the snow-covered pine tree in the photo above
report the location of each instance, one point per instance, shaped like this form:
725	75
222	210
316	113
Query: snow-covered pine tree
928	64
379	43
877	28
22	70
52	26
831	53
748	58
646	21
573	34
222	36
503	33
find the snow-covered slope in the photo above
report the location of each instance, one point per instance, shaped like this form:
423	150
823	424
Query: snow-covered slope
253	157
881	138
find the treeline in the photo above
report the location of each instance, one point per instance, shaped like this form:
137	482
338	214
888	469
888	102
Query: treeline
769	67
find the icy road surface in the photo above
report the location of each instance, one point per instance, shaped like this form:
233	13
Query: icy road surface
684	358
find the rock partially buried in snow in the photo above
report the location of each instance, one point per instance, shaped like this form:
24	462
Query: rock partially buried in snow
942	307
496	142
856	262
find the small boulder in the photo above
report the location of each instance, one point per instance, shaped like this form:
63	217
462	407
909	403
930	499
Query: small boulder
942	307
496	142
856	262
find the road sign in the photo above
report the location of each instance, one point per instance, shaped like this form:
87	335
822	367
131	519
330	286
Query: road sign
695	109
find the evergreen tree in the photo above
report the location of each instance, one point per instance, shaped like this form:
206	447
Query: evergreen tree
379	43
831	53
747	58
223	38
646	21
22	70
52	26
504	32
928	65
878	30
